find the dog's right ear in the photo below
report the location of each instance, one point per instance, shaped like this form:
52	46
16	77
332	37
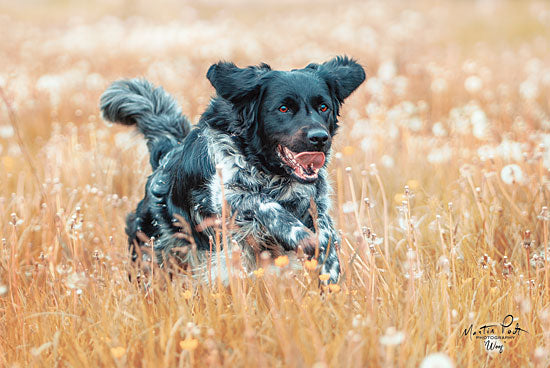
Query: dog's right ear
342	74
235	84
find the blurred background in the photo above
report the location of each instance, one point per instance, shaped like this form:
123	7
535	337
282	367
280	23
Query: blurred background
457	94
438	71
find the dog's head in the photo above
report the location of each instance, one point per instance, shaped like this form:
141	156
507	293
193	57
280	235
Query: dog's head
286	119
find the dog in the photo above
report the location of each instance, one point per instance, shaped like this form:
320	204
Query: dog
267	135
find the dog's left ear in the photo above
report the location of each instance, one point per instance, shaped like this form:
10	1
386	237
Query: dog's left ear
342	74
237	85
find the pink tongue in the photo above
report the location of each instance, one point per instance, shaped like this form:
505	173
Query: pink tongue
311	159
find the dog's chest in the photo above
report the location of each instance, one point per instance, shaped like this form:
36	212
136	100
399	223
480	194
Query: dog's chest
240	178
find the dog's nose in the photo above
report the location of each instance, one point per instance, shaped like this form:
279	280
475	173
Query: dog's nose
317	137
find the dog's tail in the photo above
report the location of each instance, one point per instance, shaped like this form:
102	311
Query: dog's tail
155	112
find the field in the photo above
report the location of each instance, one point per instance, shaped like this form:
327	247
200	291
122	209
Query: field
441	178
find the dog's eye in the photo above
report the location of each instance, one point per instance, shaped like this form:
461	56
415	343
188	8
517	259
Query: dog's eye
323	107
283	109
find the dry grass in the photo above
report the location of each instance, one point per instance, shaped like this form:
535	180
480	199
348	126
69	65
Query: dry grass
457	92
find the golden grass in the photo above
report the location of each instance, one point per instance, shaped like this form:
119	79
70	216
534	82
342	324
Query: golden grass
448	237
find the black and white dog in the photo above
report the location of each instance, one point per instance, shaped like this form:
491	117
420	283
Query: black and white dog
268	133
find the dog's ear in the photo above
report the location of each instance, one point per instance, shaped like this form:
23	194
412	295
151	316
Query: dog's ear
342	74
235	84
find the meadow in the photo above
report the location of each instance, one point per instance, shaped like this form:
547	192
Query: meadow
440	172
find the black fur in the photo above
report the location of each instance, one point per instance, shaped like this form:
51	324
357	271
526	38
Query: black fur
257	112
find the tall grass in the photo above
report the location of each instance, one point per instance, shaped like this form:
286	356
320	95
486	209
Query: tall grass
440	174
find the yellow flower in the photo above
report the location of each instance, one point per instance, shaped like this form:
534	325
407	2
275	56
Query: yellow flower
311	265
118	352
8	162
324	277
281	261
189	343
334	288
259	272
187	294
413	184
348	150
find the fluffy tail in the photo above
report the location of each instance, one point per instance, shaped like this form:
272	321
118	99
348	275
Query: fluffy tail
155	112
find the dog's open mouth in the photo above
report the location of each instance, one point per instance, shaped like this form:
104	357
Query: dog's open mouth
304	165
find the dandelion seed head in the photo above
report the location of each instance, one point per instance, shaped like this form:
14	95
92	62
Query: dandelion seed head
77	280
392	337
439	130
511	174
440	155
6	131
349	207
437	360
529	89
387	70
439	85
480	125
387	161
540	354
473	84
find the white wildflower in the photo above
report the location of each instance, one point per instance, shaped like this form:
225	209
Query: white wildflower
387	161
473	84
392	337
479	124
400	85
511	174
415	124
6	131
349	207
439	130
125	140
510	150
77	280
374	86
529	89
440	155
392	131
533	66
368	144
387	70
437	360
469	66
439	85
361	128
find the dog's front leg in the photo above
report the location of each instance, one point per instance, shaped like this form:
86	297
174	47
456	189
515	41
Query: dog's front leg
279	223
